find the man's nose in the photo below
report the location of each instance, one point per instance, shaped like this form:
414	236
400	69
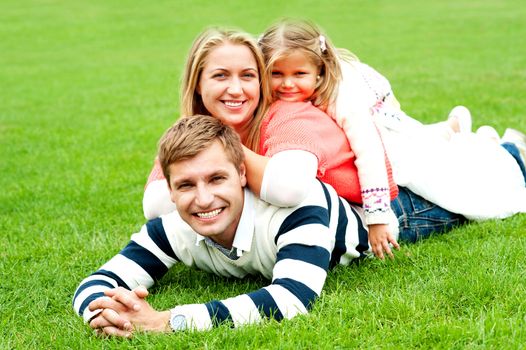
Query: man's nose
204	197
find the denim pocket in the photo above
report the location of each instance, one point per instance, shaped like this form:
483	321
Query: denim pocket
419	218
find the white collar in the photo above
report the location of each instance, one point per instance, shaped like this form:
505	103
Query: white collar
245	229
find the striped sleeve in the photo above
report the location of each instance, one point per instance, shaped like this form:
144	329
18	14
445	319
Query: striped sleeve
304	242
144	260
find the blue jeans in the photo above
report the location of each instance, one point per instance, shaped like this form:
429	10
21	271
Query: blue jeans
418	218
515	153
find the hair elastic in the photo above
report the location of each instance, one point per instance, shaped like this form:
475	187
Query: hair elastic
323	44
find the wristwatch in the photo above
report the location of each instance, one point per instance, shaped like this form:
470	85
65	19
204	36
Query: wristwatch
177	321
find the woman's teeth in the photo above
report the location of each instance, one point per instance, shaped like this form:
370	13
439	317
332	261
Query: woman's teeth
233	103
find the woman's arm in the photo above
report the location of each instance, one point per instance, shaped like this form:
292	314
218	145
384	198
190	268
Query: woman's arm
156	200
283	179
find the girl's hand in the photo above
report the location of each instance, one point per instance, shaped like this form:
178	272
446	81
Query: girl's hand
379	238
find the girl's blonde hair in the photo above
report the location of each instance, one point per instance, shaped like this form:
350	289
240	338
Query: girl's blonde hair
191	101
287	36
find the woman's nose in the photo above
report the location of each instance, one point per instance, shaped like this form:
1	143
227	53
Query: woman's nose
234	87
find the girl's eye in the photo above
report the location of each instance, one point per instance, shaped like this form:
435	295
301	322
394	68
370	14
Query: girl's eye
276	74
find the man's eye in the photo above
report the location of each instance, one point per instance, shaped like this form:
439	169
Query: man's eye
218	178
184	186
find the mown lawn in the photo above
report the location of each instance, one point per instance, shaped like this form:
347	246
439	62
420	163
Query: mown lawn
87	88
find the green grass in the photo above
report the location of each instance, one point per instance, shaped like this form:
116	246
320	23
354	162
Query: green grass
86	89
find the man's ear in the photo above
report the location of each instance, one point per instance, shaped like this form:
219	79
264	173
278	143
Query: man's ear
243	174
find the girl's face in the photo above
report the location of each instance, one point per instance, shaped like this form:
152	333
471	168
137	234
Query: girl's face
294	77
229	85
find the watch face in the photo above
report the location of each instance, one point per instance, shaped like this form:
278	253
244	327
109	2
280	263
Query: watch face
178	322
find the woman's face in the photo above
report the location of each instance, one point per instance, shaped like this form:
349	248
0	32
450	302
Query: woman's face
229	85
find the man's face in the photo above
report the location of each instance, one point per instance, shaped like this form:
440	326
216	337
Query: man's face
208	192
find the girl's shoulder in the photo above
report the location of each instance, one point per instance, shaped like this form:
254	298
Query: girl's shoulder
291	115
280	108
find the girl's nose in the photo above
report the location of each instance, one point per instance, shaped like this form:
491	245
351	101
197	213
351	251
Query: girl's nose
287	82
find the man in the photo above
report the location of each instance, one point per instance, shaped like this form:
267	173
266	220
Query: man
222	228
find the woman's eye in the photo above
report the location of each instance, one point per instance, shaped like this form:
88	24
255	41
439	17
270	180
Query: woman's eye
219	75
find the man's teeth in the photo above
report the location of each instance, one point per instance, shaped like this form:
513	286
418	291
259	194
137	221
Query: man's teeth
233	103
210	214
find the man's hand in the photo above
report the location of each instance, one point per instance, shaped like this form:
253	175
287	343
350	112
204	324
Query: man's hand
126	312
379	237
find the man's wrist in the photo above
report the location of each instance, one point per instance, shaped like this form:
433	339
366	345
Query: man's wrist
165	321
177	321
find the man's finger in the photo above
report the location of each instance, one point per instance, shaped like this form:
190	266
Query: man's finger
116	332
99	322
101	303
125	297
141	292
116	320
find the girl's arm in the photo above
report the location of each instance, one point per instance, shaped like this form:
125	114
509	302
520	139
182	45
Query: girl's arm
283	179
359	93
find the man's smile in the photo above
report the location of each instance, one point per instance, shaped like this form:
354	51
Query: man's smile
209	214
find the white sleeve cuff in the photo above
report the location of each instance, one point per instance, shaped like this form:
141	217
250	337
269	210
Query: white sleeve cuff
288	177
156	200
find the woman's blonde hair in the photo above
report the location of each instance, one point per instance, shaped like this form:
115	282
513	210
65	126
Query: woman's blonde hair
191	102
287	36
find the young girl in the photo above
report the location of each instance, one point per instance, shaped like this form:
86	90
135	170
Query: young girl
305	66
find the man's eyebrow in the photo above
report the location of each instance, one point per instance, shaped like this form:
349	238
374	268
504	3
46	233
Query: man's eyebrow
181	180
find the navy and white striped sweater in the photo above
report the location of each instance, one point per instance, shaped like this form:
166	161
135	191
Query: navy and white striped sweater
293	247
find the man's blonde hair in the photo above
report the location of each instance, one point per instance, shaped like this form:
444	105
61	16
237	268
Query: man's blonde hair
191	135
191	101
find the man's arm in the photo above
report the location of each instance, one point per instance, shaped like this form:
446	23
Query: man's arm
304	241
145	259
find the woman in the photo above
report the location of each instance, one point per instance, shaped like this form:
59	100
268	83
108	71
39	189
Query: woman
224	78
